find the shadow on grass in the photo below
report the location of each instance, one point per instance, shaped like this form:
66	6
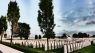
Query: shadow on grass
59	50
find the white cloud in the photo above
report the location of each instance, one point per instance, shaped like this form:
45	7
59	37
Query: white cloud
66	15
76	20
90	3
73	1
81	23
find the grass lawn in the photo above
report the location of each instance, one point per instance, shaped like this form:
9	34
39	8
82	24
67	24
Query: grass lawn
88	49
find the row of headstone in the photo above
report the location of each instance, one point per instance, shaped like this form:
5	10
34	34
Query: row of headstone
56	43
76	46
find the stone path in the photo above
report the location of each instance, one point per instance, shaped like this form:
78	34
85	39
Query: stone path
6	49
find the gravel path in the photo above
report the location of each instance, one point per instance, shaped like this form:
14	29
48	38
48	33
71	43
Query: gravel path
6	49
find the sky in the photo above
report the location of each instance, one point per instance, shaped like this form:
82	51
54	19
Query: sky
70	16
77	16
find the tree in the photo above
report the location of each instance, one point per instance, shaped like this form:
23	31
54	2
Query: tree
3	26
36	37
24	30
46	18
39	36
75	35
13	16
80	35
63	35
53	35
88	35
93	35
85	35
59	37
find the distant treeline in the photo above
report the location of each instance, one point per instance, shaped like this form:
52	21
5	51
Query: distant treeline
76	35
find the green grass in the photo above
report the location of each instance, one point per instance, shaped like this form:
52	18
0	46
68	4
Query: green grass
88	49
59	50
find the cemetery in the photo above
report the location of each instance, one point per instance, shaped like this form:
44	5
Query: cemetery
65	26
67	45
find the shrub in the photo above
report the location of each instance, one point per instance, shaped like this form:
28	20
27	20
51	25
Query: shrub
39	36
36	37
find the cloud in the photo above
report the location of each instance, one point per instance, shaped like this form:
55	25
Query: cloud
66	15
82	22
58	26
89	3
76	20
92	22
91	32
27	3
77	15
73	1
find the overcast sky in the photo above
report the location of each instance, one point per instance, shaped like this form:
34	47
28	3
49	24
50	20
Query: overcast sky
70	16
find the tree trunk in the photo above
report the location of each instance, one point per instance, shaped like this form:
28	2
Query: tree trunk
2	36
11	34
21	37
47	46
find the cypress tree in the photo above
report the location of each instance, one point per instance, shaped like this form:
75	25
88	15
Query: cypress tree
13	16
46	18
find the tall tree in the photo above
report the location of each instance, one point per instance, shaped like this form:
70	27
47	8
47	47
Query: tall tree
13	16
3	26
46	18
24	30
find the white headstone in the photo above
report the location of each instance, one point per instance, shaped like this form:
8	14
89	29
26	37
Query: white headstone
68	48
46	47
71	47
65	48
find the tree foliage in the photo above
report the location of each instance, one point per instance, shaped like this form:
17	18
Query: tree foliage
46	18
63	35
80	35
3	25
36	37
93	35
13	12
24	30
75	35
39	36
